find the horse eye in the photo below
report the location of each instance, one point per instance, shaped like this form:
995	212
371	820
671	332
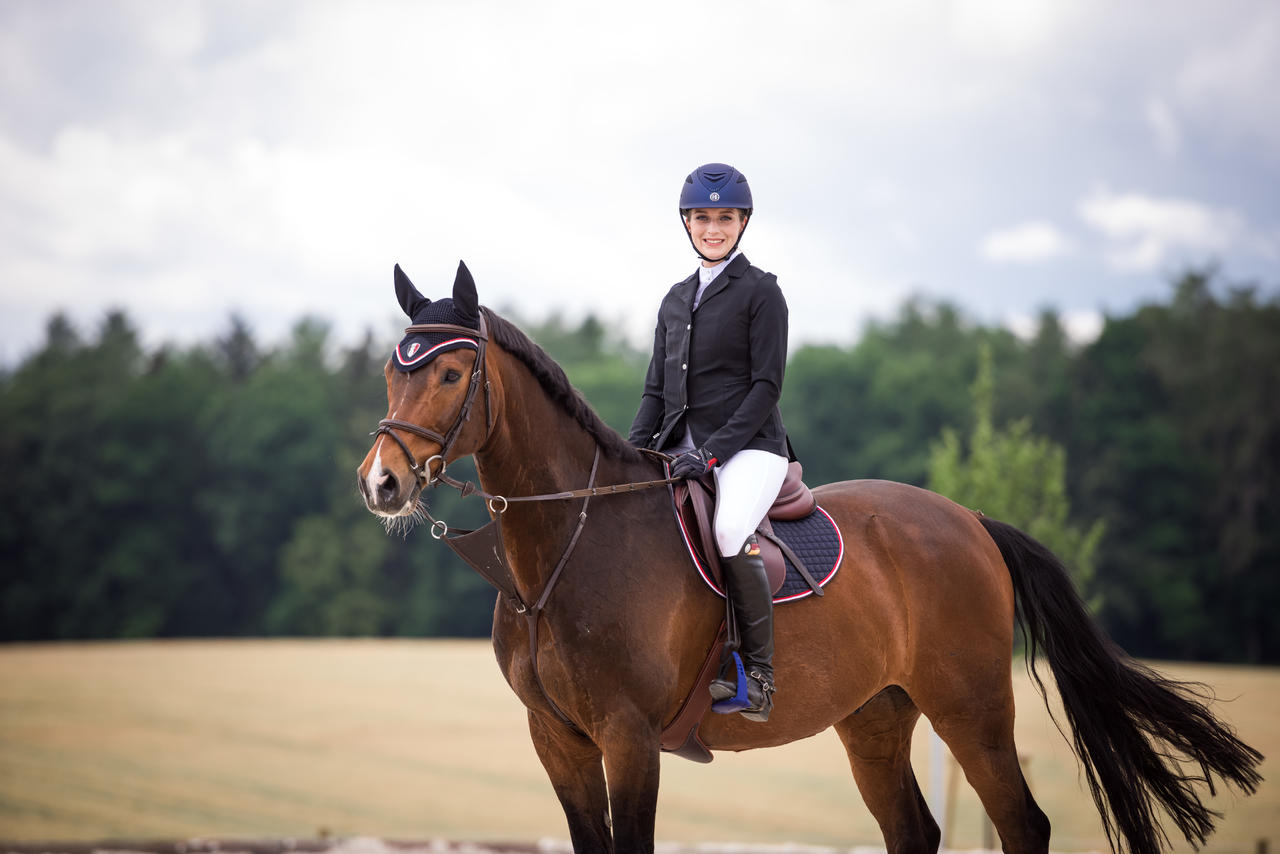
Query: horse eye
451	376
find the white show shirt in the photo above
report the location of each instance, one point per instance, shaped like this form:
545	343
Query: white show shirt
707	275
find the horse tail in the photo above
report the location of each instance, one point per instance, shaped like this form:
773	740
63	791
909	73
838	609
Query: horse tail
1131	727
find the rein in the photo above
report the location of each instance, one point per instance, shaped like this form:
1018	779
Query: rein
483	549
468	488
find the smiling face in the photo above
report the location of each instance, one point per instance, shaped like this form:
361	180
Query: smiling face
715	231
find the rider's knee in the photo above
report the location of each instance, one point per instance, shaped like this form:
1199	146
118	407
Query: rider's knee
730	541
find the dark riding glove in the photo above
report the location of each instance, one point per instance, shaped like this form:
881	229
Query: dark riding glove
693	463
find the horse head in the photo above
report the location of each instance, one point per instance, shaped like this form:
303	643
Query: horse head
432	382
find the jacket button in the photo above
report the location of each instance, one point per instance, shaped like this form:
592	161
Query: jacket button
688	326
685	366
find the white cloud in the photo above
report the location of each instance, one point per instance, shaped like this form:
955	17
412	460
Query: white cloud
1010	26
1144	232
1029	242
1164	127
1229	81
278	158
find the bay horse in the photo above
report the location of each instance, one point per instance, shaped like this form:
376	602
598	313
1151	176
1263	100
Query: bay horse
920	619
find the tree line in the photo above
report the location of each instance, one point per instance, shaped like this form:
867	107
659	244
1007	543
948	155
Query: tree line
209	490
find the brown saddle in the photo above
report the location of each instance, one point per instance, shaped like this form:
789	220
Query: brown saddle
696	501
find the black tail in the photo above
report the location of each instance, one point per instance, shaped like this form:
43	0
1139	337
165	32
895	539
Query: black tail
1132	728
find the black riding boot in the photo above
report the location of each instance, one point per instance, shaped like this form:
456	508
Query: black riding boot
752	601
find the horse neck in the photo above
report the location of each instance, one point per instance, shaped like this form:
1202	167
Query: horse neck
535	447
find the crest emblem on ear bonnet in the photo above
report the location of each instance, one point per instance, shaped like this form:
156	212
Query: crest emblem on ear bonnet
462	309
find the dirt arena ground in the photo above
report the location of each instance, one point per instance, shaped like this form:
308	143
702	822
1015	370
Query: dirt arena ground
335	746
369	845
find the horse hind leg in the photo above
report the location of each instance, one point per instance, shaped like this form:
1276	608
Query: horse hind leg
980	738
877	739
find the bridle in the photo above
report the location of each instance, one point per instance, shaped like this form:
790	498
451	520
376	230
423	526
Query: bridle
388	426
483	549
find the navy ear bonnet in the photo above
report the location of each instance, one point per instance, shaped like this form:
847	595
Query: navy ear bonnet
418	348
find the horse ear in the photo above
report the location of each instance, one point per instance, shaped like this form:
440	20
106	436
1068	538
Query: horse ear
464	294
410	299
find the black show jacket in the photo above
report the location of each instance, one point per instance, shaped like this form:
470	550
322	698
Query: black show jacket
719	369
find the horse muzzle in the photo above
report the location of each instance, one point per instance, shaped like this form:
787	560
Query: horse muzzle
385	494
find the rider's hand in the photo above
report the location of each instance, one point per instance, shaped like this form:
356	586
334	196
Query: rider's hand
693	463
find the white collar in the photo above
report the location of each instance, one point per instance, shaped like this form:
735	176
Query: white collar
707	274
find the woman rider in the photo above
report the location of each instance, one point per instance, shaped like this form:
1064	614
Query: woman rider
711	400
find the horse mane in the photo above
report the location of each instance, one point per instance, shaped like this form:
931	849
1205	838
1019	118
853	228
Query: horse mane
556	384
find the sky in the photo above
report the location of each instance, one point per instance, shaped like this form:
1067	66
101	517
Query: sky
187	160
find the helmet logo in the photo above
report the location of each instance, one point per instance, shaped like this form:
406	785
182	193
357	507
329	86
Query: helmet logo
413	348
715	197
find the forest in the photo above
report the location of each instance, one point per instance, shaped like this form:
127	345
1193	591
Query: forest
209	490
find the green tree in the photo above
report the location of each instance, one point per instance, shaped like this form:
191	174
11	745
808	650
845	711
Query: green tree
1015	476
823	406
102	461
871	410
1136	470
1177	425
1220	361
330	577
271	445
208	491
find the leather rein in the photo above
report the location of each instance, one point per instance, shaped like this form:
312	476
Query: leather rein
483	549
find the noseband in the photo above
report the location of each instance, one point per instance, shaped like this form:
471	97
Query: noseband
388	426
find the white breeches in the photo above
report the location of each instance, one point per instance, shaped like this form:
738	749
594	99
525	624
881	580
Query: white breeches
746	486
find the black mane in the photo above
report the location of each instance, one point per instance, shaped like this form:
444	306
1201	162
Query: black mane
554	382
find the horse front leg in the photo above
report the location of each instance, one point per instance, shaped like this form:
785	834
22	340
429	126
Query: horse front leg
632	762
573	764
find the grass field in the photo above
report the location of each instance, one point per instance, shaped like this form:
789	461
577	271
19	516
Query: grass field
423	739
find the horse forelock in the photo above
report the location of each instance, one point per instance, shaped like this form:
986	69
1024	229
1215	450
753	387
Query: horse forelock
556	384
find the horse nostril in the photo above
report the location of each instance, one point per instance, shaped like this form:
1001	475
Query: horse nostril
387	485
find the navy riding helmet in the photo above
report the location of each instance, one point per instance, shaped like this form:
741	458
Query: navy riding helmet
716	185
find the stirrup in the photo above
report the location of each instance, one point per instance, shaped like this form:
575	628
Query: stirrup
739	700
